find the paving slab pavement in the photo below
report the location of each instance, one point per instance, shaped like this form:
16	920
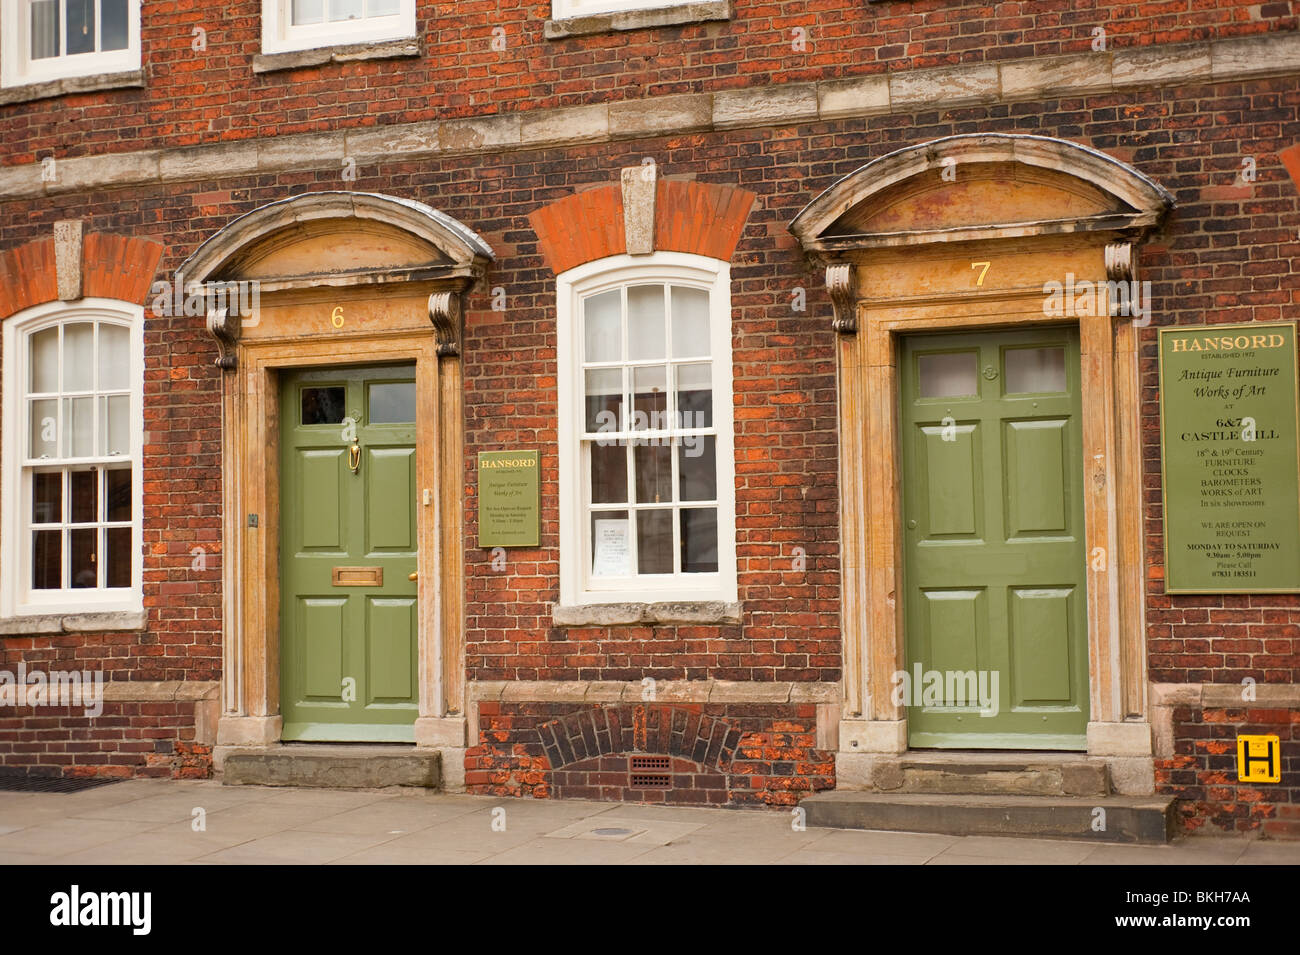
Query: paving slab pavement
202	822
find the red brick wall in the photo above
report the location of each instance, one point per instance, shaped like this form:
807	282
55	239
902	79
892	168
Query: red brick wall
719	753
1203	771
1228	253
214	95
126	739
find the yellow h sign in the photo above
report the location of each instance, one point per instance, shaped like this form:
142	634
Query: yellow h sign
1259	759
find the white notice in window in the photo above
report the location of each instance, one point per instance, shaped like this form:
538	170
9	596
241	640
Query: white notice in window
611	555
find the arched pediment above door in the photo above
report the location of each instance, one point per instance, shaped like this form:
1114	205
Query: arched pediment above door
343	246
977	187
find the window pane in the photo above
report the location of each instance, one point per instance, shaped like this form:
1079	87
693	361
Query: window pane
602	327
690	322
117	563
650	398
78	356
345	10
81	557
611	549
44	428
948	375
699	541
645	322
392	402
117	494
694	396
1035	369
604	400
697	464
654	541
78	427
114	358
81	26
115	424
382	8
84	489
608	474
45	29
45	361
112	28
653	466
47	497
323	405
307	11
47	560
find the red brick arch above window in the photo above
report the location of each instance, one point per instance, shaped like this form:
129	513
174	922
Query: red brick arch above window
112	266
700	218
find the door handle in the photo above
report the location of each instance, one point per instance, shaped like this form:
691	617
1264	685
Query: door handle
414	576
354	457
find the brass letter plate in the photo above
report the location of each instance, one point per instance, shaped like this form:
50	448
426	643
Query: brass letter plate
358	576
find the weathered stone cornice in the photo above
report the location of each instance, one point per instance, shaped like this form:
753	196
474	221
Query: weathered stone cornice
1117	70
661	691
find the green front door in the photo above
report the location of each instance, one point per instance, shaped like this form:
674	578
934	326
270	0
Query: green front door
347	548
994	565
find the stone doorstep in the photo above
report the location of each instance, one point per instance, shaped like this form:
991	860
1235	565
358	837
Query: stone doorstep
1127	819
1011	774
334	766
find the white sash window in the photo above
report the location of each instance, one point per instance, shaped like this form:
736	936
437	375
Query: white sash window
646	466
72	435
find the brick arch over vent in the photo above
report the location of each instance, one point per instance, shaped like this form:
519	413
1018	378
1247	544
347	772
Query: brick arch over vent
682	731
674	216
98	266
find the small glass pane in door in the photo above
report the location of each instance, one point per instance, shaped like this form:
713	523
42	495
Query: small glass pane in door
948	374
1034	370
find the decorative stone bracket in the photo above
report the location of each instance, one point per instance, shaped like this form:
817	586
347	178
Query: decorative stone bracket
839	282
447	316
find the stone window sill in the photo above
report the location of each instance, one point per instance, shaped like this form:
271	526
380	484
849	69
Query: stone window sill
57	623
643	614
700	12
296	59
129	79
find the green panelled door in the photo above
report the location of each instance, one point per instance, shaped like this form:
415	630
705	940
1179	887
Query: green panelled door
347	547
994	540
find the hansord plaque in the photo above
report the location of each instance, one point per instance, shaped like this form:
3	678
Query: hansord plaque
1230	458
509	504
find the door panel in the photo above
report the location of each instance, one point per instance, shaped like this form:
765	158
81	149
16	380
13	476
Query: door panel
951	454
348	613
391	476
321	509
994	556
954	625
1041	633
322	655
1036	493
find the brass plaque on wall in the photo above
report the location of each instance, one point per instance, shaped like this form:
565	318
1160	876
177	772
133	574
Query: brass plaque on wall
509	505
357	576
1230	458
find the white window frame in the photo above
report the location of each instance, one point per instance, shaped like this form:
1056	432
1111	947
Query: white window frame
279	35
577	585
17	68
567	9
17	597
